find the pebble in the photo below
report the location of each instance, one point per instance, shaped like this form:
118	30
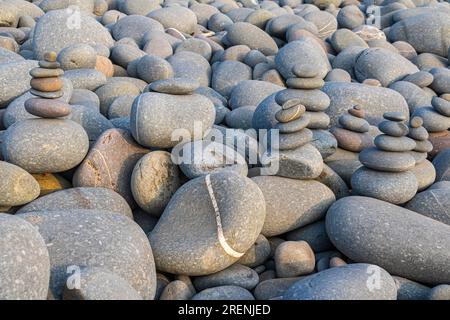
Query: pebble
385	142
177	290
182	86
224	293
51	182
440	292
235	275
247	34
391	237
25	268
18	186
314	234
294	258
46	108
343	283
228	74
257	254
410	290
77	56
432	204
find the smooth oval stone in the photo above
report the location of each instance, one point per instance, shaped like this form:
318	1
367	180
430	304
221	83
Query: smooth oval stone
121	107
432	204
46	73
305	71
180	86
57	29
426	32
93	122
302	52
179	247
228	74
441	81
46	108
344	38
235	275
135	27
383	65
257	254
352	141
294	140
338	75
393	187
251	93
386	161
313	100
290	112
333	180
89	79
77	56
151	110
394	144
51	182
305	83
153	68
415	97
177	17
420	79
432	120
394	129
14	80
294	258
200	158
177	290
410	290
124	55
96	198
374	100
240	118
326	22
289	205
244	33
401	241
103	239
191	65
350	17
348	282
440	292
274	288
442	162
314	234
224	293
47	95
353	123
441	105
154	180
49	64
418	134
110	162
97	283
86	98
18	187
423	146
47	84
45	145
294	125
25	265
112	90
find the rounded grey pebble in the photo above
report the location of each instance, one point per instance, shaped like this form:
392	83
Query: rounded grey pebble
235	275
224	293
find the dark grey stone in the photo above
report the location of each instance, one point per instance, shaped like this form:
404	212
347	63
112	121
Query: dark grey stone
350	17
442	163
14	80
274	288
244	33
177	17
187	64
325	142
415	97
251	93
228	74
77	56
434	204
240	118
345	38
401	241
235	275
410	290
224	293
175	86
257	254
348	282
135	27
153	68
441	82
314	234
93	122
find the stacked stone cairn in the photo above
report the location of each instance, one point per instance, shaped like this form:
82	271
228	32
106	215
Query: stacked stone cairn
424	169
352	135
297	158
386	173
436	120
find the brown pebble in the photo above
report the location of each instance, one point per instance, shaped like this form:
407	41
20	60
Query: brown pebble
446	96
47	108
47	84
416	122
290	114
305	83
50	56
290	103
337	262
357	111
372	82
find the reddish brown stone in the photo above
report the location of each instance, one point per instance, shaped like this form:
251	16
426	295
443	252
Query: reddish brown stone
47	108
352	141
47	84
440	141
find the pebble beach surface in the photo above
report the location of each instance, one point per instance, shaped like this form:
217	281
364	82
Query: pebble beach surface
224	150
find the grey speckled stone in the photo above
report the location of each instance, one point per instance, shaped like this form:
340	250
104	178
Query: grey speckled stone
26	145
154	180
257	254
344	283
177	17
432	203
291	203
93	122
53	32
96	239
304	54
18	187
224	293
135	27
14	80
274	288
325	142
441	82
251	93
175	86
383	65
25	265
374	100
77	56
333	181
80	198
252	36
240	118
415	97
401	241
154	117
440	292
228	74
97	283
177	290
237	275
314	234
191	65
89	79
185	239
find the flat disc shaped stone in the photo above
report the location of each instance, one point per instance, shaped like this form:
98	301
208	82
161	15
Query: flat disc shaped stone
386	161
395	144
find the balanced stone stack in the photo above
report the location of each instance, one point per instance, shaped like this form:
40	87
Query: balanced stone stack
424	169
386	174
296	157
47	144
352	135
436	119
